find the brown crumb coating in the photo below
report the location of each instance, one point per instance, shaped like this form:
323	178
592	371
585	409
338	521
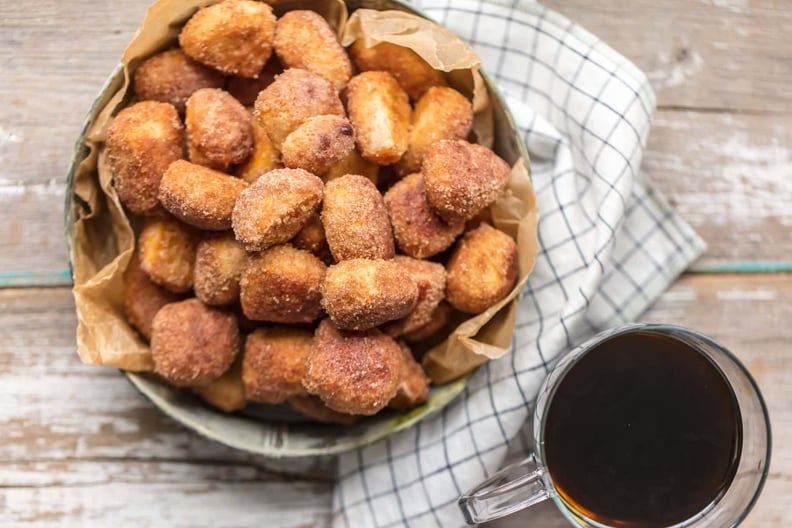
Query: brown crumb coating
355	220
319	143
414	385
312	238
438	320
171	77
353	163
430	277
380	113
219	128
284	285
226	392
293	97
219	261
142	140
418	229
462	178
193	344
264	157
353	372
441	113
143	298
166	251
245	89
413	73
313	407
482	269
275	362
359	294
200	196
275	207
304	39
233	36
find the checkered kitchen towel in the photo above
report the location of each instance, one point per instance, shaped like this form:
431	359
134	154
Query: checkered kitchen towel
609	246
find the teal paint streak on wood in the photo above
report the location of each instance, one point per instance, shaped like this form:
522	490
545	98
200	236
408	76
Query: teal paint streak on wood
35	279
745	267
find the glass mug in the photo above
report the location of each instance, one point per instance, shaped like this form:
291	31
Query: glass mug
642	425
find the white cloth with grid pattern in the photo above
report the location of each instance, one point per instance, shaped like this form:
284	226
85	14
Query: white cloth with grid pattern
609	246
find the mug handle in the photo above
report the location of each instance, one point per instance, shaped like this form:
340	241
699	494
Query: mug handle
513	488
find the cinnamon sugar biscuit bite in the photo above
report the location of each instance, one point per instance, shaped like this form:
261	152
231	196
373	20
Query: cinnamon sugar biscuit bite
226	392
219	129
355	219
166	250
200	196
359	294
275	362
313	407
440	317
245	89
143	298
312	238
193	344
318	144
353	163
413	386
275	207
263	158
283	285
481	270
353	372
142	141
219	261
430	277
233	36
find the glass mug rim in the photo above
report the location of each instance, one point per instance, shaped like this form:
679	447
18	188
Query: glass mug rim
542	403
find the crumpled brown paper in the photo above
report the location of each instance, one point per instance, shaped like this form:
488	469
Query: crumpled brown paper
103	237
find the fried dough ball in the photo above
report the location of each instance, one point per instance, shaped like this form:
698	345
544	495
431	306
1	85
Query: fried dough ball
353	163
226	392
172	76
414	385
462	178
353	372
359	294
355	219
166	250
200	196
313	407
481	270
430	277
312	238
418	230
143	298
275	207
441	113
193	344
319	143
275	362
284	285
413	73
219	261
293	97
245	90
380	113
219	129
142	140
264	158
233	36
304	39
438	320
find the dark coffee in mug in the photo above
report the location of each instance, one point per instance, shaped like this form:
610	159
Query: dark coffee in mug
643	431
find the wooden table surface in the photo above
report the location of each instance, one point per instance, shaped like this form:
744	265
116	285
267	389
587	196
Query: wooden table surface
80	447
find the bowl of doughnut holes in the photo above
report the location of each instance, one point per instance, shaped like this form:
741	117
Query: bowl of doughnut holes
271	229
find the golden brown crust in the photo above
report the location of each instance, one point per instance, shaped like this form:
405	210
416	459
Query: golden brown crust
193	344
413	386
264	158
430	277
275	362
171	77
412	72
380	113
200	196
355	220
481	270
353	372
233	36
143	298
275	207
304	39
418	230
441	113
313	407
226	392
353	163
142	141
293	97
219	129
438	320
166	251
462	178
312	238
219	261
245	90
359	294
319	143
282	284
